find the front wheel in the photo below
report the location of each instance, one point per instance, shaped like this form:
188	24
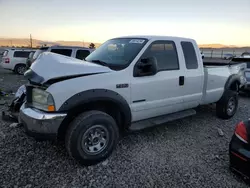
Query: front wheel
20	69
227	106
91	137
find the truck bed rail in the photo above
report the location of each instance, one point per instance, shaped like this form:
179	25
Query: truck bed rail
234	61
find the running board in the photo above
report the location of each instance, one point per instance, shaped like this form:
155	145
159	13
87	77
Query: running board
139	125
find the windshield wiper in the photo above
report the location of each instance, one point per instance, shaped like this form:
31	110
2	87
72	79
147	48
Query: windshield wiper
97	61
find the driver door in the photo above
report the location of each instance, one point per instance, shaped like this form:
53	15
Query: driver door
158	94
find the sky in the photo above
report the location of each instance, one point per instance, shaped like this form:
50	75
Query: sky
206	21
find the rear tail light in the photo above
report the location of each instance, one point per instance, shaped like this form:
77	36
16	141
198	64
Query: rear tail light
241	132
7	60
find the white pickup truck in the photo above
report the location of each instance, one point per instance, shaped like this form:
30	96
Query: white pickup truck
128	83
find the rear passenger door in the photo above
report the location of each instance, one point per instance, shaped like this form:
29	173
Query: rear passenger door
194	74
82	54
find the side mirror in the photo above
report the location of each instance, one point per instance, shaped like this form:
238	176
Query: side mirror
146	67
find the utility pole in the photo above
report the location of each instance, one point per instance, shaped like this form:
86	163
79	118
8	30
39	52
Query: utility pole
30	41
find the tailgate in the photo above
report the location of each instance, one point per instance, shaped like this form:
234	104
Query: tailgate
246	62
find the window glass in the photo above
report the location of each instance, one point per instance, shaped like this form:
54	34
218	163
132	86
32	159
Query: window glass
190	55
165	53
117	53
82	54
66	52
21	54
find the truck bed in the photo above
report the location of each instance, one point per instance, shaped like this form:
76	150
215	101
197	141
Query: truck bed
215	76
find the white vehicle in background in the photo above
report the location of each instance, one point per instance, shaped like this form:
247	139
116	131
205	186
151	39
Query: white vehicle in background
244	59
128	83
228	56
77	52
15	59
245	55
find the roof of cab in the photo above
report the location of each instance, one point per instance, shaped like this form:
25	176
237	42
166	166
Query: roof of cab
156	37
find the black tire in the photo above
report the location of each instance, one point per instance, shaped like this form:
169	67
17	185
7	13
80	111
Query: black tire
224	109
20	69
82	125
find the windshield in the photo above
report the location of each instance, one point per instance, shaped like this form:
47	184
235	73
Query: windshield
117	53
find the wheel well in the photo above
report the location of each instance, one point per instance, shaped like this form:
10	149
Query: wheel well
108	107
235	86
19	65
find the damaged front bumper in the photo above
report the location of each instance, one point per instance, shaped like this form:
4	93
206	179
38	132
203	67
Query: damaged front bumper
40	124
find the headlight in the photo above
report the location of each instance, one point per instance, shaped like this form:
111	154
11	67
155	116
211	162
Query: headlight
42	100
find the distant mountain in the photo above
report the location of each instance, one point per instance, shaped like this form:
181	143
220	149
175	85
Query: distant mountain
221	46
18	42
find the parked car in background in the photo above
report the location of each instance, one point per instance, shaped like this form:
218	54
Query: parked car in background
35	55
245	54
71	51
239	149
228	56
30	59
123	85
15	59
1	55
245	60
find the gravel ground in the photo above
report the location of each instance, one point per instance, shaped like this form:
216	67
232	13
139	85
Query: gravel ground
185	153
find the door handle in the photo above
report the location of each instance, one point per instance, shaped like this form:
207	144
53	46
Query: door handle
181	80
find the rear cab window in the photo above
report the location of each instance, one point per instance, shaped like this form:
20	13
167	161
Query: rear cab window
66	52
189	55
21	54
82	54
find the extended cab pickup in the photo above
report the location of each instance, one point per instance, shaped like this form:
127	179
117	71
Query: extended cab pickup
128	83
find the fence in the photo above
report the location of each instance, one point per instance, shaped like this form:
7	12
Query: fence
220	53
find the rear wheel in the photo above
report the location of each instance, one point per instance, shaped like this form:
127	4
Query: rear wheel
20	69
227	106
91	137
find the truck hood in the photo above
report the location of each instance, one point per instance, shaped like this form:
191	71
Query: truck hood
55	67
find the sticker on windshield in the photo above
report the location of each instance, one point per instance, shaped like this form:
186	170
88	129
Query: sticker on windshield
137	41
